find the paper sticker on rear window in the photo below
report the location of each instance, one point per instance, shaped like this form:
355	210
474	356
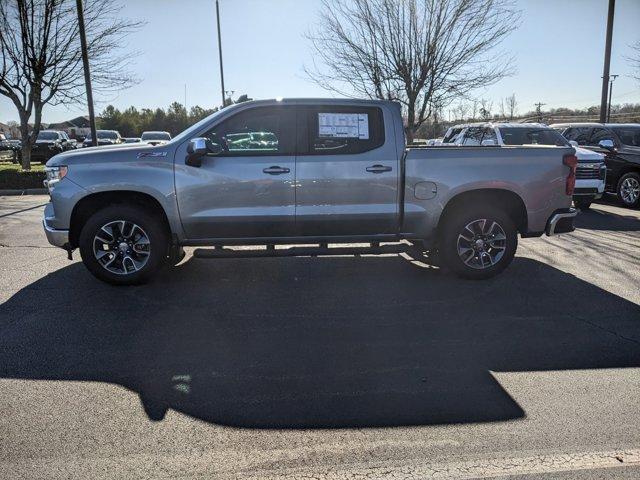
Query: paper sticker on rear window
343	125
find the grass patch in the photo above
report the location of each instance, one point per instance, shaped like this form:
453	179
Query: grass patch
12	177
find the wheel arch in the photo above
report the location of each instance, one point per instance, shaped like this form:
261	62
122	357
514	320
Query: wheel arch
504	199
94	202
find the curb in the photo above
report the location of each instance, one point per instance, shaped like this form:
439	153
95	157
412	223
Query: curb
27	191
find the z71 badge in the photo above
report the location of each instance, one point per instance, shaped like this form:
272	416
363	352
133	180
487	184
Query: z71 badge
152	154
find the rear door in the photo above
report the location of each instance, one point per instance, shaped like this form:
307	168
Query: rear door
347	171
247	190
613	161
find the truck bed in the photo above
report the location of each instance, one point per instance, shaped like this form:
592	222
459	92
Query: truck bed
434	175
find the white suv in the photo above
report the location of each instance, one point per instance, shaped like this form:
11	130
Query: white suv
591	171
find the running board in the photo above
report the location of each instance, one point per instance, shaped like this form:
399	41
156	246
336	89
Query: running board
298	251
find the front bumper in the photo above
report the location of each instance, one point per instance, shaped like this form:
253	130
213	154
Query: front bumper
57	238
562	221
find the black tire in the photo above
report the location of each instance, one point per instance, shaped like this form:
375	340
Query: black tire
583	204
629	180
153	229
454	226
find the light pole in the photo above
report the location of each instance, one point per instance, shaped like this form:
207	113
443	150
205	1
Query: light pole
607	61
220	54
613	77
87	73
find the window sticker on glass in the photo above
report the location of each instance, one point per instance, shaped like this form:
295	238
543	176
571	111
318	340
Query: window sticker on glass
344	125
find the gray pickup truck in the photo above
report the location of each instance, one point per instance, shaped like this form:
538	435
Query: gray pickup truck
310	172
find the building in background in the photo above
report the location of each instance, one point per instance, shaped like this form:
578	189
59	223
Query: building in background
77	128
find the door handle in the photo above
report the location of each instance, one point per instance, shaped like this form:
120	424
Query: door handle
275	170
378	169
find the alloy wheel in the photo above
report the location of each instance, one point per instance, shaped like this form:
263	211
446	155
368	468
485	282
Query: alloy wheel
482	243
121	247
630	190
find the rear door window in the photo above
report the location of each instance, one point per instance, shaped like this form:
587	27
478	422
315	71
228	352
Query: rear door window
473	136
490	134
342	130
531	136
578	134
600	134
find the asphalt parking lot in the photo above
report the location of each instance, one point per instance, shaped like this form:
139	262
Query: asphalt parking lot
366	367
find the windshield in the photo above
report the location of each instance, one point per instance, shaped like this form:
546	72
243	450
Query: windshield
48	136
451	135
196	127
628	135
156	136
111	135
532	136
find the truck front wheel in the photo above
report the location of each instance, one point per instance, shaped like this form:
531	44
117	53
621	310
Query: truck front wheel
629	189
477	242
123	245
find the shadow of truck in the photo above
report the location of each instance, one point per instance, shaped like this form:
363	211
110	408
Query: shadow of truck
321	343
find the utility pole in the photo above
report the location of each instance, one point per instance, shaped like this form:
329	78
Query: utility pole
87	73
607	61
220	55
613	77
539	110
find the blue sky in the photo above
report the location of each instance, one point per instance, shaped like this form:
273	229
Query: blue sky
558	53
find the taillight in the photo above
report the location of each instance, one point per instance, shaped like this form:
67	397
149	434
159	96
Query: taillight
570	161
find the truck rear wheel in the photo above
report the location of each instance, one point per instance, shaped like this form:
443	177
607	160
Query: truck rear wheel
123	245
478	242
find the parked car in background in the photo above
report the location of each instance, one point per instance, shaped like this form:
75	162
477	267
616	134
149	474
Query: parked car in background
156	138
14	146
312	172
131	139
50	143
590	172
4	147
620	145
105	137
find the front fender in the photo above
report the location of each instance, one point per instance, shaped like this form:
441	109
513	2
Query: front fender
152	177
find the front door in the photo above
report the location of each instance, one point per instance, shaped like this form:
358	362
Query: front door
346	172
614	162
247	190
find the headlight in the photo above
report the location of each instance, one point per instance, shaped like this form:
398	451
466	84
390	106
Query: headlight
54	175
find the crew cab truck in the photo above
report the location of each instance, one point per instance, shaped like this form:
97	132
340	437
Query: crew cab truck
298	171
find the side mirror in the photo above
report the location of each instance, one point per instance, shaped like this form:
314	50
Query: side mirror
573	143
198	148
606	143
489	143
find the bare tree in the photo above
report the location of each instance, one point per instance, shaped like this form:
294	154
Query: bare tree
461	111
474	109
485	109
421	53
512	106
41	56
503	112
634	60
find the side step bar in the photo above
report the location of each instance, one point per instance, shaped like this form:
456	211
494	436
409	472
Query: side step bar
298	251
